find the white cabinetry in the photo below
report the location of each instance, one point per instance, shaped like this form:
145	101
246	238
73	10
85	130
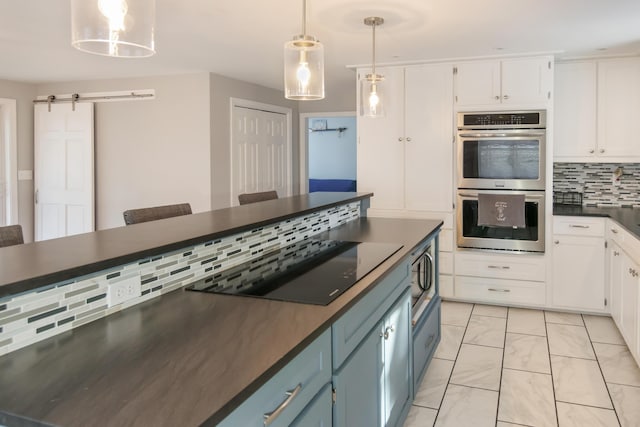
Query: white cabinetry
511	82
578	263
596	105
502	279
624	282
406	157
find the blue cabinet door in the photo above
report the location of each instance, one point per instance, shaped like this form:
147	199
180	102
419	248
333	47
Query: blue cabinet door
358	384
426	337
397	361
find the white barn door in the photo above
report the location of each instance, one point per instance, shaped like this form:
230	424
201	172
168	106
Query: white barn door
64	170
260	152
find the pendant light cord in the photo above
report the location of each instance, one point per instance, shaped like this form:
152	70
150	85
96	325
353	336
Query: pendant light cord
304	17
374	51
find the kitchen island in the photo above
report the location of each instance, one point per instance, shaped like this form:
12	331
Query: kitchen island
184	358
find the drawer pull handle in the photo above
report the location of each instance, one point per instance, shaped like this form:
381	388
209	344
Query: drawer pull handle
614	231
499	267
499	290
271	416
578	226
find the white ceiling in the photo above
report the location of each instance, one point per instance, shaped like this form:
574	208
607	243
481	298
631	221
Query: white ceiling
244	38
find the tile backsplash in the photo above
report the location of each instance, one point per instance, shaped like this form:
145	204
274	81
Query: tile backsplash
596	182
31	317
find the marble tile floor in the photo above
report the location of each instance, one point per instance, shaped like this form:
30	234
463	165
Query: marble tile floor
500	367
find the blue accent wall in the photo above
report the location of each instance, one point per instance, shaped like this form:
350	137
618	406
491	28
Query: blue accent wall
332	155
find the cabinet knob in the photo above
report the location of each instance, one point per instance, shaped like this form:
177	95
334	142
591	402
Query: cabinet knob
614	231
408	139
400	139
506	97
592	151
616	253
602	150
557	242
497	97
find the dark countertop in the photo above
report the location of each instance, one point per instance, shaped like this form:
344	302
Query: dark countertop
185	358
32	265
628	218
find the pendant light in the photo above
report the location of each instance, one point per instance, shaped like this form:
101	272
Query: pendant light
371	98
119	28
304	65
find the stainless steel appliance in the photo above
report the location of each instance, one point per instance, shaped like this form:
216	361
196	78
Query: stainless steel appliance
423	276
528	238
502	150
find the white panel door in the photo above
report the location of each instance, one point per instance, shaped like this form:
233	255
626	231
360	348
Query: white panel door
381	145
618	107
526	80
64	170
260	152
575	110
429	138
477	83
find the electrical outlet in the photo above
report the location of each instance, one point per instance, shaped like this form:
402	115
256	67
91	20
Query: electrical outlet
125	290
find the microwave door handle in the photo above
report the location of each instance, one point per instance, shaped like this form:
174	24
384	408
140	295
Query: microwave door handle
420	280
429	270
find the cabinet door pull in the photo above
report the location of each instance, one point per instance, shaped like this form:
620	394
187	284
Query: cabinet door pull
271	416
616	253
557	242
497	97
499	290
506	96
400	139
592	151
429	341
408	139
578	226
614	231
387	332
602	150
498	267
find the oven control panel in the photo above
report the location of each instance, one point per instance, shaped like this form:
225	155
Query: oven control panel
493	120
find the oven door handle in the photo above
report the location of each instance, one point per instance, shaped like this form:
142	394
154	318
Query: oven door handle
500	135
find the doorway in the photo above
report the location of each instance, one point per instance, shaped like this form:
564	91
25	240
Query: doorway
328	152
8	162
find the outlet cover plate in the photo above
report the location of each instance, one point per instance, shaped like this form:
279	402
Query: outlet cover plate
123	291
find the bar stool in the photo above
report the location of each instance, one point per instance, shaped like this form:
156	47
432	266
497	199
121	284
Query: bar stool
11	235
136	216
247	198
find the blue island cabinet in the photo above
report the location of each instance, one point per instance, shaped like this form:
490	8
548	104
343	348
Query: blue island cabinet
372	357
299	394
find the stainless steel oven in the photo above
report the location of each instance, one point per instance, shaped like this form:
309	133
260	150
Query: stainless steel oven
502	150
423	277
529	238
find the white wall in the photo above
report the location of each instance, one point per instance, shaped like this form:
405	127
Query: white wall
24	94
149	153
332	155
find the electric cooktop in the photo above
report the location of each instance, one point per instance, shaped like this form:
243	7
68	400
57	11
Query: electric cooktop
310	271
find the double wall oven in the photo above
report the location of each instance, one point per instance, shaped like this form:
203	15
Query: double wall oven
501	160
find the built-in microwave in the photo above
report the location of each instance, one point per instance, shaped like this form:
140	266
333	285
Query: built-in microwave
503	150
423	277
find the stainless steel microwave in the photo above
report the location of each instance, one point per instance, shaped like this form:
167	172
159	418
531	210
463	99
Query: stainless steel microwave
505	150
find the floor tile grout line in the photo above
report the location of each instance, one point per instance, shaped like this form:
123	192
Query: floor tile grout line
530	372
553	383
615	411
626	385
454	364
572	357
476	388
588	406
504	347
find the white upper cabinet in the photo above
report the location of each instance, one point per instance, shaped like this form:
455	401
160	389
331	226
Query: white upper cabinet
618	107
406	157
596	105
575	109
509	82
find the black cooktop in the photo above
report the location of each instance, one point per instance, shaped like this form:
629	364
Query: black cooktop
310	271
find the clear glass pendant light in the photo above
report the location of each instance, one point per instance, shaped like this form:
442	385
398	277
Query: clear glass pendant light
120	28
304	65
371	88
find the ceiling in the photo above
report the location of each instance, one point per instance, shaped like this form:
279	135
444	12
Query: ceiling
244	38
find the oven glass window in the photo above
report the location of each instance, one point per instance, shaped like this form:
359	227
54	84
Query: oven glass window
470	227
501	159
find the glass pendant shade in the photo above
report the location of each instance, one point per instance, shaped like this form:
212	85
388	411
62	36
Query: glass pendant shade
120	28
304	69
372	95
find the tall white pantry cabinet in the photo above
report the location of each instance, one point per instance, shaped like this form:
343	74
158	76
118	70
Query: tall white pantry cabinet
405	158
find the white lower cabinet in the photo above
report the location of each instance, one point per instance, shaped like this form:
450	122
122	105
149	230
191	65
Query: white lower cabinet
624	282
578	272
500	279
